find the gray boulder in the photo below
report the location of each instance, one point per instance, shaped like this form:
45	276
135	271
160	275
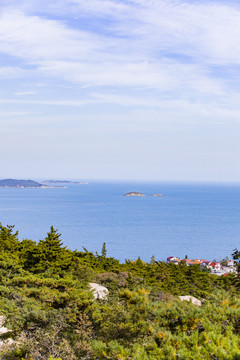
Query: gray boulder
192	299
7	343
99	292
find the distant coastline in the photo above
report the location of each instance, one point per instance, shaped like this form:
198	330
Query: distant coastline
23	184
64	182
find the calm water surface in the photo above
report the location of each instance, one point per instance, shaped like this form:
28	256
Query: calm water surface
201	221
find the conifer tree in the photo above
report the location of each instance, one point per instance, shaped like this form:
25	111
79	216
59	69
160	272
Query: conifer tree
104	250
8	239
153	260
236	257
49	253
51	246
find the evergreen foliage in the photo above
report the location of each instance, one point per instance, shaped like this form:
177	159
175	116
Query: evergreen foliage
49	307
8	239
104	250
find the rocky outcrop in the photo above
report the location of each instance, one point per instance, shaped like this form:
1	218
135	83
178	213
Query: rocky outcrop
157	195
7	342
192	299
3	330
99	292
134	193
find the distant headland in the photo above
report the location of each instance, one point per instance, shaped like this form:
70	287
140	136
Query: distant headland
15	183
64	182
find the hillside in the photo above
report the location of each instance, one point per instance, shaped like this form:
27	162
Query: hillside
51	314
15	183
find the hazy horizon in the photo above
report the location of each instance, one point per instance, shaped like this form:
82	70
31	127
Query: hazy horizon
134	181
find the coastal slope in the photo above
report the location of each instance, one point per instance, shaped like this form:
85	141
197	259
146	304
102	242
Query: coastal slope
15	183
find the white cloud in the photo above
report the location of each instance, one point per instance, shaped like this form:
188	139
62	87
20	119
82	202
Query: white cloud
46	102
34	39
200	28
8	72
14	113
24	93
196	29
168	46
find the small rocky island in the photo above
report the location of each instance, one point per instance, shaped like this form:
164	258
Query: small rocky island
134	193
14	183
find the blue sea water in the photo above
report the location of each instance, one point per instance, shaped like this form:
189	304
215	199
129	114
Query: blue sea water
198	220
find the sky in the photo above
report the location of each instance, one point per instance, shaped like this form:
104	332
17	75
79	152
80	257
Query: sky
120	89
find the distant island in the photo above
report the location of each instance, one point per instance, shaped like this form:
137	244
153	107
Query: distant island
134	193
64	182
14	183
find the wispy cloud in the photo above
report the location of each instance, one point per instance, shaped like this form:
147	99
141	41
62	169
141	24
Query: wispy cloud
169	45
46	102
34	39
12	72
14	113
24	93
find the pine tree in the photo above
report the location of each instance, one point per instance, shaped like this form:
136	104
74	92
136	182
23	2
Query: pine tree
236	257
49	253
104	250
51	246
153	260
8	239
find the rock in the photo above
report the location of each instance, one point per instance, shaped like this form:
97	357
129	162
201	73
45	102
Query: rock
192	299
158	195
3	330
99	292
8	342
134	193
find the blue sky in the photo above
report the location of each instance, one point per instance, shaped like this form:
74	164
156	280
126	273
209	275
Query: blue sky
107	89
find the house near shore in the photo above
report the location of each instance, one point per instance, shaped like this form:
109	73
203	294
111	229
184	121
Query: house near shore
188	262
214	266
205	264
173	260
192	262
231	263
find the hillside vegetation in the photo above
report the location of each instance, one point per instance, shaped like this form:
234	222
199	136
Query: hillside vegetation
45	297
19	183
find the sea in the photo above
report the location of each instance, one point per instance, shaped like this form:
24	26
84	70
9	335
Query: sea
198	220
